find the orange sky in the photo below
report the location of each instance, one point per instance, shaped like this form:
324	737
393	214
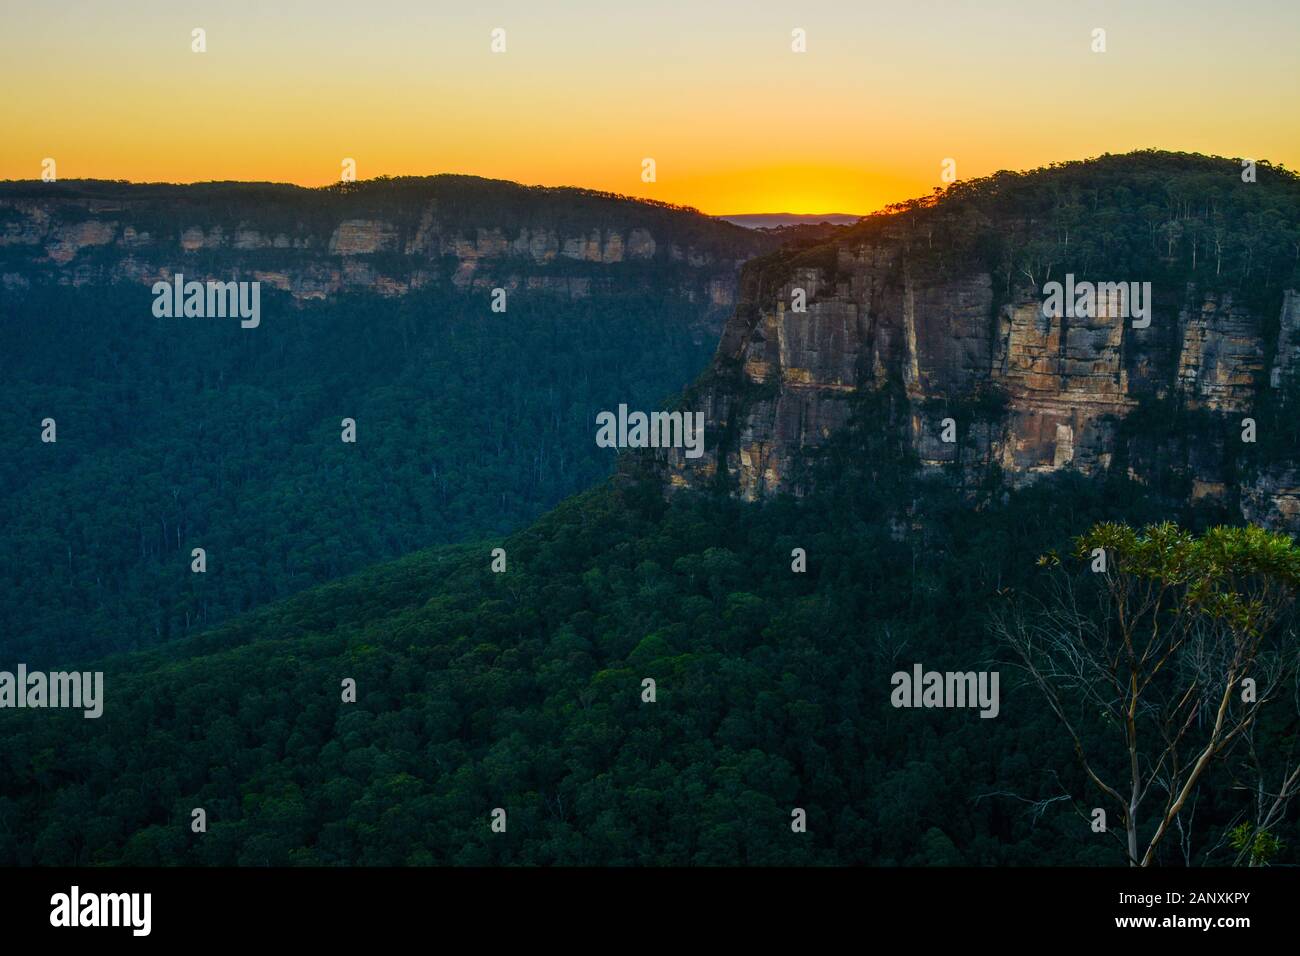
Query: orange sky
734	119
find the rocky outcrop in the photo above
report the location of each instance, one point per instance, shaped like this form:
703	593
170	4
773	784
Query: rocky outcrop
984	384
1221	361
64	242
1272	497
359	237
1287	360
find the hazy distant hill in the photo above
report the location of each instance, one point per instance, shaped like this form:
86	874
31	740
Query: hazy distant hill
775	220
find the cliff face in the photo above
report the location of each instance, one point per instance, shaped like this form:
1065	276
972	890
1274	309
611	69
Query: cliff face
937	338
388	237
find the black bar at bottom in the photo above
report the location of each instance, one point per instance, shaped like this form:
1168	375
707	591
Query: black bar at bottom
332	906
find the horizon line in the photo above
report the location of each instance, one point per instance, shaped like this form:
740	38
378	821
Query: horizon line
648	200
388	177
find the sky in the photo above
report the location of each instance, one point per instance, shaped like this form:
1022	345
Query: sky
585	91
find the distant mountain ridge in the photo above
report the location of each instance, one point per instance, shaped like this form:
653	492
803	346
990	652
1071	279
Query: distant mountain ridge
776	220
391	236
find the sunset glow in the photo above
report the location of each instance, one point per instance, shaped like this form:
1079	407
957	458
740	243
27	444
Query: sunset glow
735	120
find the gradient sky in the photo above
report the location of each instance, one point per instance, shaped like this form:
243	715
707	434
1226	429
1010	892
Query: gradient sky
710	89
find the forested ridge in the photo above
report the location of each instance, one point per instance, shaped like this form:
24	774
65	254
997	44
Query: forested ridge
459	203
1169	218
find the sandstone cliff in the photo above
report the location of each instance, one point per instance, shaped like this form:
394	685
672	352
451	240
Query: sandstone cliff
386	236
936	312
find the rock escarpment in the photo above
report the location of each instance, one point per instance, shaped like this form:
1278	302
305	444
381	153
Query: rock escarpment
385	236
933	323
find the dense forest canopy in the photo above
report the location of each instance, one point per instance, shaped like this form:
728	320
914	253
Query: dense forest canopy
180	434
523	690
